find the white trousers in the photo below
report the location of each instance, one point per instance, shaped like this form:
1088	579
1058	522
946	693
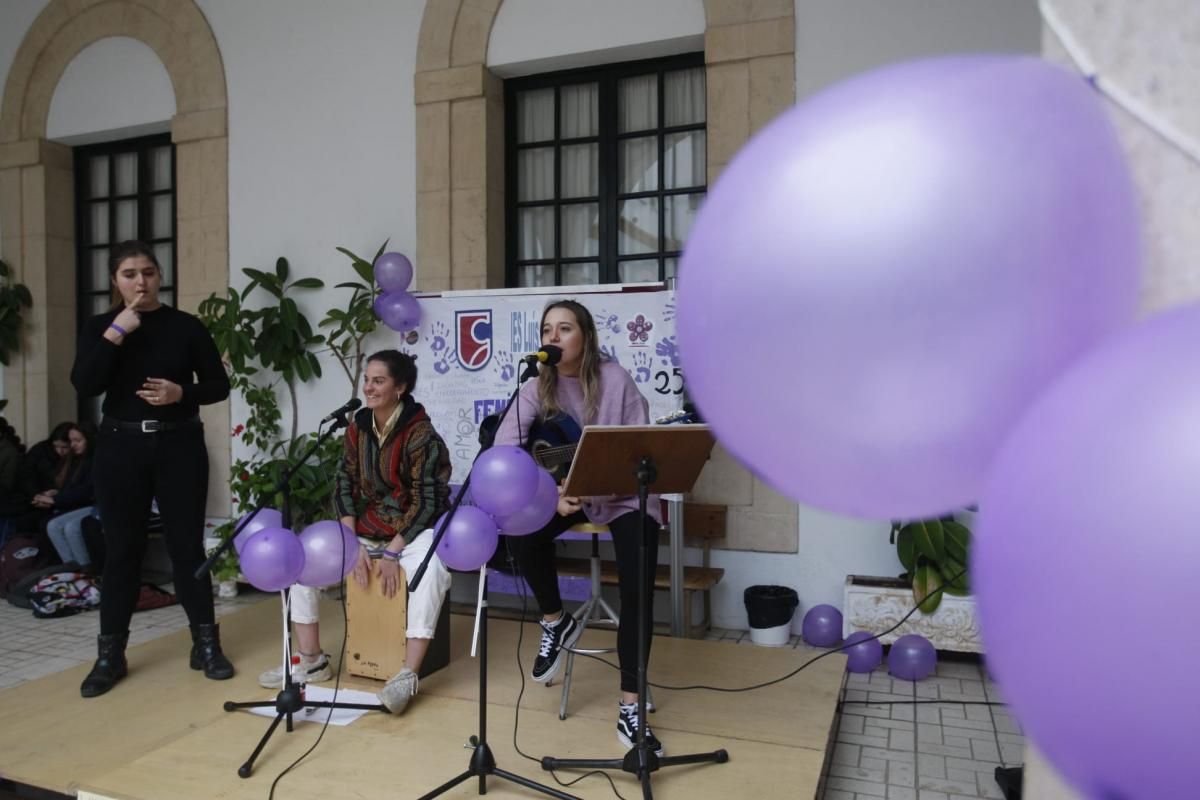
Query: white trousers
424	604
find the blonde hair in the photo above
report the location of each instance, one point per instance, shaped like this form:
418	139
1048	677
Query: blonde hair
589	366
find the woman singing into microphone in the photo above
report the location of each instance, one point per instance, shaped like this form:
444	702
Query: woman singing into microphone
594	391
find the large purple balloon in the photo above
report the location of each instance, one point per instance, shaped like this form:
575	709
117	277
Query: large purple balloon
469	541
266	518
393	272
863	651
822	626
400	311
912	657
914	253
272	559
503	480
1084	565
330	552
537	512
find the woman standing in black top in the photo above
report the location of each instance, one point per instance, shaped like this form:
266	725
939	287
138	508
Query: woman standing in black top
156	366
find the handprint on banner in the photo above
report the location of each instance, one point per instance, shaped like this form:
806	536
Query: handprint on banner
507	368
609	352
668	313
445	360
608	322
437	337
641	367
669	351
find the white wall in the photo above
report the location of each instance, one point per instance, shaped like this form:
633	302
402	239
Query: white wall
532	36
322	145
115	88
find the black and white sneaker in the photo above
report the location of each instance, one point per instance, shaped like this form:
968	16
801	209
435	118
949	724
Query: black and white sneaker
627	729
556	636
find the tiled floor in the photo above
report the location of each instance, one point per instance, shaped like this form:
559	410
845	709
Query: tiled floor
942	750
887	746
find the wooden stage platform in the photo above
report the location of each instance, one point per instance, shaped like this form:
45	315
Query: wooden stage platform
162	733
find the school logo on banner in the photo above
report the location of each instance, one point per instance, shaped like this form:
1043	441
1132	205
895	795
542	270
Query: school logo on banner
473	338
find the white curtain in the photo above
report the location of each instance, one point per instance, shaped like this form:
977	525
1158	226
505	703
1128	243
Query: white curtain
637	101
683	101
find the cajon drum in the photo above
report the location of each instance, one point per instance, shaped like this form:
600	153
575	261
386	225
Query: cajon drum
375	626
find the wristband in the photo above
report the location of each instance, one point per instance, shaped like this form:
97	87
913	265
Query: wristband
118	329
389	555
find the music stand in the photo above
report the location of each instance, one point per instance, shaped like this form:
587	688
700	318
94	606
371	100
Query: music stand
623	460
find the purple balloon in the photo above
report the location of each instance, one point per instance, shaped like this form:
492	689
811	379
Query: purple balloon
393	272
503	480
912	657
272	559
400	311
924	263
469	541
266	518
330	552
1084	565
863	650
822	626
537	512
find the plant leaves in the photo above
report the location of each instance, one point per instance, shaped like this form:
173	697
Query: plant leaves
23	295
365	272
929	538
958	540
309	283
906	549
281	269
926	582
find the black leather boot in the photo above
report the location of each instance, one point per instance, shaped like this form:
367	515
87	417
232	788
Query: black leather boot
110	664
207	655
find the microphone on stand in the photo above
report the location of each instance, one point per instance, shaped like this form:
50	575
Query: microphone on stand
351	405
548	355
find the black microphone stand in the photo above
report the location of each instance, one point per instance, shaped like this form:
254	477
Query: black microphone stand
290	700
482	763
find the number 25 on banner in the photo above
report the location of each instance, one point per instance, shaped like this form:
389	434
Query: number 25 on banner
664	379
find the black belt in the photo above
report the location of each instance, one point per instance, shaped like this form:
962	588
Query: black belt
147	425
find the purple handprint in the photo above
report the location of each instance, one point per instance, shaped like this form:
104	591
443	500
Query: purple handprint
507	369
610	353
641	367
437	337
607	321
669	351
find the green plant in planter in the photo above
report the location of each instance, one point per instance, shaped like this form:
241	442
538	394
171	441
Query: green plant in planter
13	298
933	553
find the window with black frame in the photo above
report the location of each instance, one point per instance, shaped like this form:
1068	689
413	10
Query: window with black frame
123	190
606	171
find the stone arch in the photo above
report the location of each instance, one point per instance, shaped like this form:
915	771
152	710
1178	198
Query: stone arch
750	65
37	232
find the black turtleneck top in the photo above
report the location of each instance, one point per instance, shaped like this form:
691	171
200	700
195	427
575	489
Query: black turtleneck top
170	344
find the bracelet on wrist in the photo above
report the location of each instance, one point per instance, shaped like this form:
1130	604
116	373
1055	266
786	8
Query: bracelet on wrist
389	555
118	329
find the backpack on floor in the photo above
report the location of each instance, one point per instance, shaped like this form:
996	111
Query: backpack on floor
21	556
62	594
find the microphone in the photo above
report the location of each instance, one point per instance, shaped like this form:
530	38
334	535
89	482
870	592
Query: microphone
548	355
351	405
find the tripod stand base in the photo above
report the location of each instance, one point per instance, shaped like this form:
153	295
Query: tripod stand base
637	762
483	764
287	703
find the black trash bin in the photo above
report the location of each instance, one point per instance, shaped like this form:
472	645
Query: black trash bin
770	610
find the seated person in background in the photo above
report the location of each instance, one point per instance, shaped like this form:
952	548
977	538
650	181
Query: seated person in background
392	486
76	500
47	462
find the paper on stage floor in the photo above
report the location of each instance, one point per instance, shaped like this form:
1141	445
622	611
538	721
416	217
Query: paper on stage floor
320	694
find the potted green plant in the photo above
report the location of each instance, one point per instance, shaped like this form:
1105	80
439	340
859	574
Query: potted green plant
14	298
934	556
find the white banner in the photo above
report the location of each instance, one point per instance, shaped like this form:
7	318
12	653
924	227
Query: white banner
469	345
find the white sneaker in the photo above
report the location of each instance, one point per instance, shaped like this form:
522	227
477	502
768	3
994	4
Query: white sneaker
399	690
311	669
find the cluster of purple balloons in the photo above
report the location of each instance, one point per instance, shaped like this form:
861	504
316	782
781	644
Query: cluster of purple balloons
963	337
510	494
398	309
273	557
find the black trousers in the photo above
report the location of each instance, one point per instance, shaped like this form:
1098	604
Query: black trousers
536	558
131	470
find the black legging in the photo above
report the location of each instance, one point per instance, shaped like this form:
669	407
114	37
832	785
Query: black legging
535	556
131	470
